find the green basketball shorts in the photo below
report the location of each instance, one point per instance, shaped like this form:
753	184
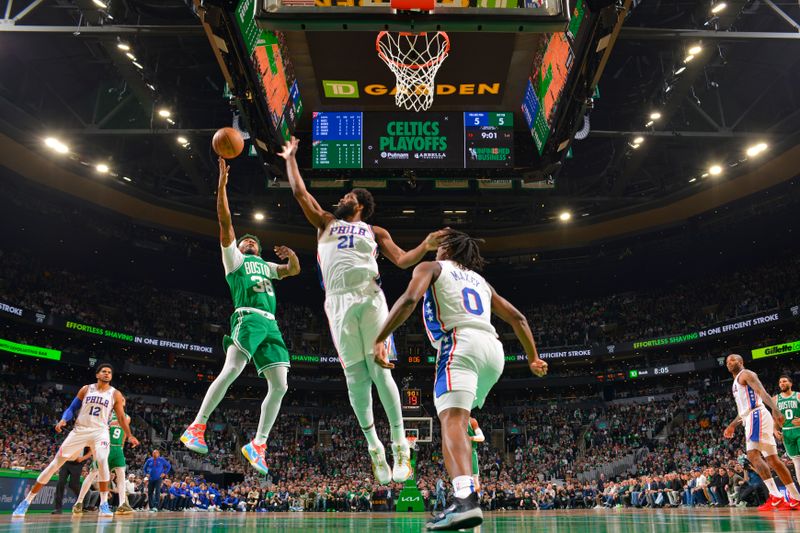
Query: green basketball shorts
259	338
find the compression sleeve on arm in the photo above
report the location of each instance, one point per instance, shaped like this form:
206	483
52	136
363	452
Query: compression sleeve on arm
232	258
479	437
72	410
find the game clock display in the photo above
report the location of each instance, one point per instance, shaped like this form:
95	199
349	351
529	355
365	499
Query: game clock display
412	140
412	398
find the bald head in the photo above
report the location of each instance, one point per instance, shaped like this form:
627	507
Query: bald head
735	363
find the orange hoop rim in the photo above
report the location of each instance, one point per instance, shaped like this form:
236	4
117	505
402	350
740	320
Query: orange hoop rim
438	59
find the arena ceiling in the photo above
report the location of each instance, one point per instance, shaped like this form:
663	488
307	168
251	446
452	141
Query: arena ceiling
63	75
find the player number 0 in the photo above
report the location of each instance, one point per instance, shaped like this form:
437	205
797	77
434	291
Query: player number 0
472	301
788	414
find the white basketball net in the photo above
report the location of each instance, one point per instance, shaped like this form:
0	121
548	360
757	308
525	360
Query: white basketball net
414	58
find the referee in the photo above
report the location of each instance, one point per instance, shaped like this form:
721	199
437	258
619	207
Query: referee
71	469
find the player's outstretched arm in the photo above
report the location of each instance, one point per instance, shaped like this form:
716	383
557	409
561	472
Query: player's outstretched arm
119	409
425	274
226	235
73	409
318	217
750	378
405	259
513	316
292	266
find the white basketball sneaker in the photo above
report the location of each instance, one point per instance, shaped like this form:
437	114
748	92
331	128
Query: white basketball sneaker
380	468
402	461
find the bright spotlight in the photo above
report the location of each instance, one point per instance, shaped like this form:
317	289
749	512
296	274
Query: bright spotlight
688	58
655	115
102	168
183	140
123	46
100	4
715	170
55	144
696	49
259	216
756	149
680	70
137	65
648	124
565	216
719	7
163	112
130	56
638	140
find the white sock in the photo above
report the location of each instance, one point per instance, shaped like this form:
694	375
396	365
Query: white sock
87	484
773	489
463	486
791	488
276	377
796	462
359	390
103	497
235	362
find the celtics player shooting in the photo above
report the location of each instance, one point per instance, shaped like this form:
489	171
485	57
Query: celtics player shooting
789	404
347	251
254	332
116	464
457	315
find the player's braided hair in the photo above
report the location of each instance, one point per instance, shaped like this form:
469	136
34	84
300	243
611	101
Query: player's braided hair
464	250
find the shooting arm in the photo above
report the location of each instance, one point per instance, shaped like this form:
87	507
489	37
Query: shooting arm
423	276
226	234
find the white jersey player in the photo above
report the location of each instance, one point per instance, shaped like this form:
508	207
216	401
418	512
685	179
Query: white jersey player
751	398
356	307
91	409
457	314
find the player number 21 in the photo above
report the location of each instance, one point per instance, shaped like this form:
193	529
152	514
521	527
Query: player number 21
472	301
345	241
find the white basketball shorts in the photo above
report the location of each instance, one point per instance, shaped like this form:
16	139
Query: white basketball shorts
758	431
469	360
355	319
79	438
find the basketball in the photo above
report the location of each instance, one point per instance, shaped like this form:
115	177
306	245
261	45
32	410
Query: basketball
227	143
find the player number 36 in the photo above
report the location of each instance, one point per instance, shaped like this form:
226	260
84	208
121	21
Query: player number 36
262	285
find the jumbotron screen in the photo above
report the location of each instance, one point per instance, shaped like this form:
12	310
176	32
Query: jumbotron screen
413	140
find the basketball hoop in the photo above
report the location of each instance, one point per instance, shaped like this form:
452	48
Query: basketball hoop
412	441
414	58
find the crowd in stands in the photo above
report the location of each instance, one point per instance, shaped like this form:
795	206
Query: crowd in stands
149	310
317	462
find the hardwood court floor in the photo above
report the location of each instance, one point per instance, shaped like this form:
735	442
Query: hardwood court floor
575	521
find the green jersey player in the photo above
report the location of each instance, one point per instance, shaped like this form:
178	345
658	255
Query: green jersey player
789	405
476	436
254	332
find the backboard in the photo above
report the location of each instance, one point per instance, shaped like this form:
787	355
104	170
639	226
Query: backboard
512	16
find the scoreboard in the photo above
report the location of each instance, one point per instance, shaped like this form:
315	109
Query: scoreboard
412	140
412	400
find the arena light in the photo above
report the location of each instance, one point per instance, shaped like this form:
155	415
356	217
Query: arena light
692	180
151	86
125	47
696	49
258	216
183	140
102	168
715	170
756	149
655	115
638	140
137	65
565	216
126	178
719	7
56	145
171	121
408	211
680	70
688	58
164	112
100	4
648	124
130	56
